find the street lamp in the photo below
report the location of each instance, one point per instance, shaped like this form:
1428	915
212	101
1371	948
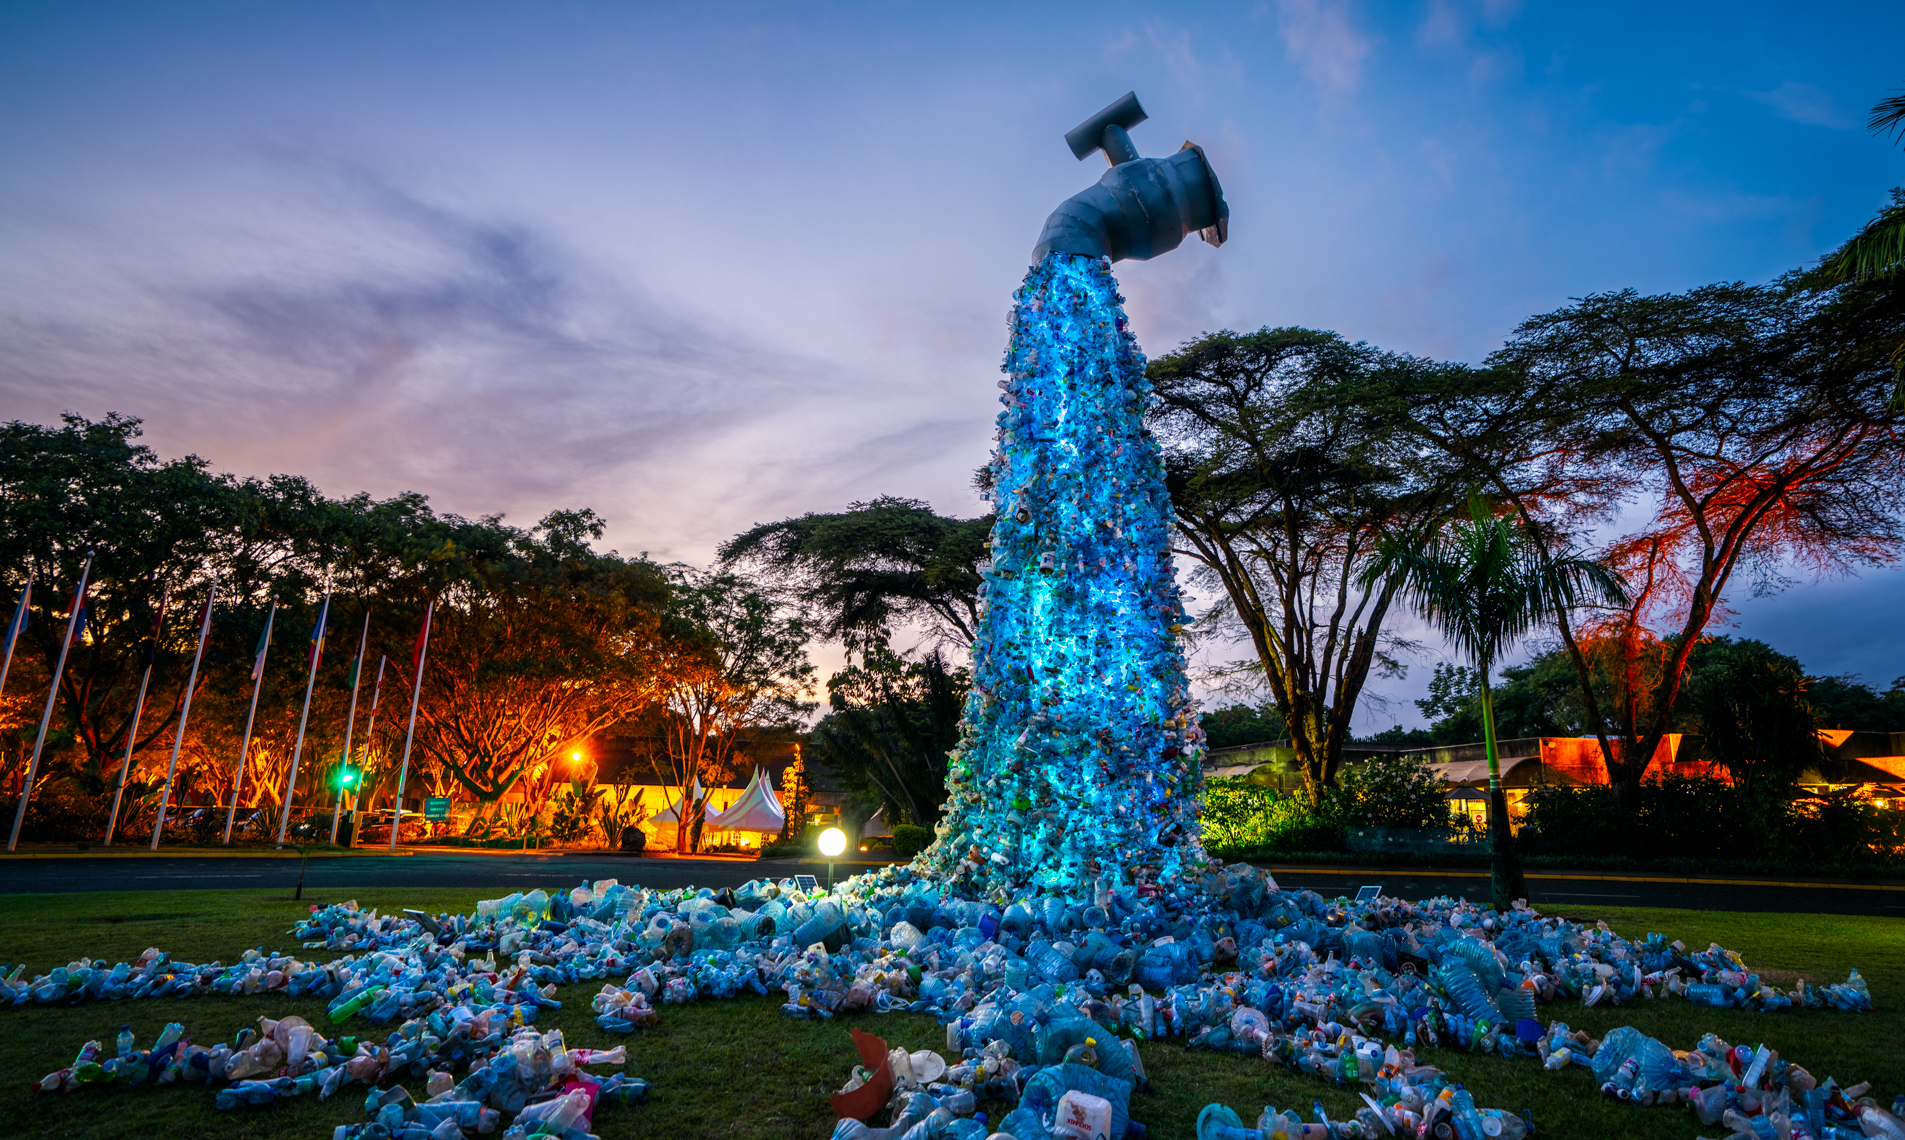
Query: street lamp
832	842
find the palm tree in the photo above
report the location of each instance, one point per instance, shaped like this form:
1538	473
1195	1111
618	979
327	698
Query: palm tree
1483	585
1877	252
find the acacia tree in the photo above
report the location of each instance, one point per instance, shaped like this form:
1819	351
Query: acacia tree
734	667
540	646
1286	473
1747	424
877	563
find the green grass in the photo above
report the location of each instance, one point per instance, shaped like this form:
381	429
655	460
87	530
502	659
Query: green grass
738	1069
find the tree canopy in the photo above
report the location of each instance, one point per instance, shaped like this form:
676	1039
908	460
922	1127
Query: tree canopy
873	565
1286	472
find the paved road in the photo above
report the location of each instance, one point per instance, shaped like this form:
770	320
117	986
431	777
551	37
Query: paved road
502	872
1589	892
523	872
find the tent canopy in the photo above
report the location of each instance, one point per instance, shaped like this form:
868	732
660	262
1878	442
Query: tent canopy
758	809
672	813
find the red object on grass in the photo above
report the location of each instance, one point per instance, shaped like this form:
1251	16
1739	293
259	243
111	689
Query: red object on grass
871	1097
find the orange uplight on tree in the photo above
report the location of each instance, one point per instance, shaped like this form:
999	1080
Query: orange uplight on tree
575	757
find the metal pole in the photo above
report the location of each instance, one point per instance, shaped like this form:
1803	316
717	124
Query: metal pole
178	741
244	750
310	682
370	726
18	625
125	769
39	742
357	678
416	691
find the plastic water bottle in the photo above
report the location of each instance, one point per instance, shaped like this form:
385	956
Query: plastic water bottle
1468	1122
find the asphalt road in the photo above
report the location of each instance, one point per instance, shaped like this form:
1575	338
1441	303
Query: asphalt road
505	873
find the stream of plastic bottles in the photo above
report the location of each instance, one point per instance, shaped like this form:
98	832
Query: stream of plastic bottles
1041	999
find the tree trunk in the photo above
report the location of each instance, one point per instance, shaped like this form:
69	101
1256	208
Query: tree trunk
1505	880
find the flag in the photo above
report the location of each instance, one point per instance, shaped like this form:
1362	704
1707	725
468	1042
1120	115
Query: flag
158	623
258	657
204	623
357	665
17	626
378	689
82	606
316	654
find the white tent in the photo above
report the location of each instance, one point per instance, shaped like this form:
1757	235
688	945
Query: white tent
672	813
758	809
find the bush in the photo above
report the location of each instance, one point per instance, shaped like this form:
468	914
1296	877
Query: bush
61	813
1704	818
573	813
1392	791
803	843
909	839
1239	815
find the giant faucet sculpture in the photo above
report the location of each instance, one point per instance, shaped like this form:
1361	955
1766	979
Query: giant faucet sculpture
1080	756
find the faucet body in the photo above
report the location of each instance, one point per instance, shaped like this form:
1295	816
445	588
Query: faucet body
1142	207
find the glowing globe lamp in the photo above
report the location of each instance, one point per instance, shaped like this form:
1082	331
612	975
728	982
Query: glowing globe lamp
832	842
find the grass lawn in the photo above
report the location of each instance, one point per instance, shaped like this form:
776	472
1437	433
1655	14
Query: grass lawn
738	1069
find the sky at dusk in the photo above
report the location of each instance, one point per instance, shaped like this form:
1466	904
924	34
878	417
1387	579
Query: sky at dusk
701	266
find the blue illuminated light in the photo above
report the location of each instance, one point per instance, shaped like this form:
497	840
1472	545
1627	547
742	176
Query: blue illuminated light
1080	754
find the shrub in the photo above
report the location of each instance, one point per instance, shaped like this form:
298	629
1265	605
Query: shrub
909	839
1240	815
803	842
62	813
1564	820
572	816
1704	818
1392	791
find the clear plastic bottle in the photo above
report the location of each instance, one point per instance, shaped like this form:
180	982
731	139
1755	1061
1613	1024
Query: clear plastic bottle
1468	1122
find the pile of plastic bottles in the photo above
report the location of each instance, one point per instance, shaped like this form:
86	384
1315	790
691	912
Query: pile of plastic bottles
1036	993
513	1071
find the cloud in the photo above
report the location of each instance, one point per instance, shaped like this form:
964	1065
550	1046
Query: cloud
375	339
1183	63
1804	103
1320	38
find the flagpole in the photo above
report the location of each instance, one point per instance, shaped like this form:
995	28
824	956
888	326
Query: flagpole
416	691
16	627
178	740
370	727
132	735
357	677
244	750
46	718
310	681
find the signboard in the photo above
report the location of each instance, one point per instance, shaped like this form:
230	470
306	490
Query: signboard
436	809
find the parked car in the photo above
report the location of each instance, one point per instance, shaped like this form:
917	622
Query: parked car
882	844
